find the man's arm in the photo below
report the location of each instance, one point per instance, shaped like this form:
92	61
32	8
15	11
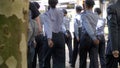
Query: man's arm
89	29
35	15
113	27
76	29
37	19
48	30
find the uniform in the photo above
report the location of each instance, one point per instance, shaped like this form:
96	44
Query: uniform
113	20
100	36
89	22
31	33
55	21
68	40
77	34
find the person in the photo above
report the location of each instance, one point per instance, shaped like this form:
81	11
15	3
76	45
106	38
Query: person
100	35
113	45
77	34
32	31
88	41
41	42
55	36
68	37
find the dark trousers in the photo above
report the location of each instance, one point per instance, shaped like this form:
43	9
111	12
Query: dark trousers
101	50
76	48
75	51
68	41
30	53
40	40
87	46
112	62
57	52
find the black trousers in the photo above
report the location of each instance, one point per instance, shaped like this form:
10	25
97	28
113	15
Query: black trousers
101	51
87	46
68	41
41	41
75	51
112	62
57	52
76	48
30	53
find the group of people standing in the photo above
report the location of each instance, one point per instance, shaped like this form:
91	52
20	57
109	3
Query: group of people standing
49	32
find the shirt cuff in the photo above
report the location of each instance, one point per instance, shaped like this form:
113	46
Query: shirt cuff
49	36
94	38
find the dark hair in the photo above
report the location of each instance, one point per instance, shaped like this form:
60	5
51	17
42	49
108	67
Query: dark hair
78	8
64	11
89	3
53	3
98	10
36	4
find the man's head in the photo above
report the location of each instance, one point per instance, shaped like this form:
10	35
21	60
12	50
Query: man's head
98	11
89	4
36	4
78	9
52	3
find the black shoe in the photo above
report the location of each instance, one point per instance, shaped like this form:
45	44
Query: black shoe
70	62
72	66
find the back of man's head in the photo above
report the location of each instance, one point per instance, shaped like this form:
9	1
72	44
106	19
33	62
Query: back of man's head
79	8
89	3
36	5
98	11
53	3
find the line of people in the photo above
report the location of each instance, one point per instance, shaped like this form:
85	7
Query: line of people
49	32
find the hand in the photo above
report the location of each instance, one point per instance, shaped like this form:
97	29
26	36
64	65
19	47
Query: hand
78	39
39	30
50	43
115	53
96	42
67	35
34	43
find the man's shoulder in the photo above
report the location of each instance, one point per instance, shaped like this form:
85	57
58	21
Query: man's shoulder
111	8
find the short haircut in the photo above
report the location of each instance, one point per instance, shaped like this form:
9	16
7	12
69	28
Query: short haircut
52	3
89	3
98	10
36	5
78	8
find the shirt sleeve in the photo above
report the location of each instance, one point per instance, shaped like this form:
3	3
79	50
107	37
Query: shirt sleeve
34	11
76	28
47	27
88	27
64	29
